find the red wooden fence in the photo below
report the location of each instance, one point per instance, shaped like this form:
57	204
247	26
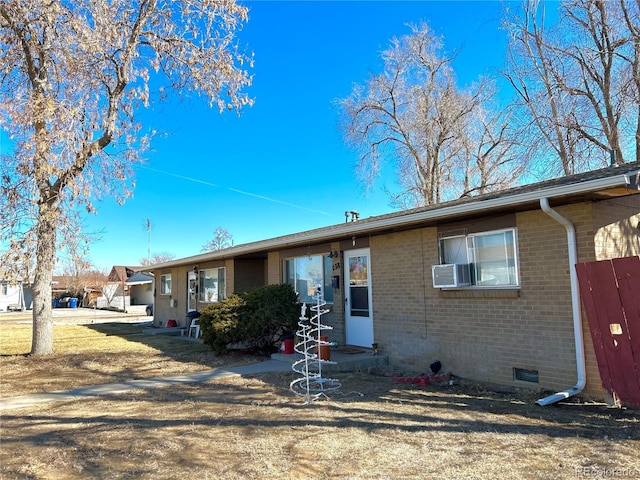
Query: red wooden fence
610	291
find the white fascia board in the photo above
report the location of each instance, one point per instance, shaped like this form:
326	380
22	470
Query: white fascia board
370	225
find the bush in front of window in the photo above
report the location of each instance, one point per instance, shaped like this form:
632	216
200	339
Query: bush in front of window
220	323
256	319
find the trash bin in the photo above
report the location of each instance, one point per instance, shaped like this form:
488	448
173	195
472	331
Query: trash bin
73	302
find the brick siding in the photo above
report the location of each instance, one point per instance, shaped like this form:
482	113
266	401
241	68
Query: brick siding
484	335
481	334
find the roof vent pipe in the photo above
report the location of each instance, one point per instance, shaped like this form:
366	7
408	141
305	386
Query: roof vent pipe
354	215
575	303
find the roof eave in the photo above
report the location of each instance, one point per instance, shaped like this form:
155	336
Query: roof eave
629	180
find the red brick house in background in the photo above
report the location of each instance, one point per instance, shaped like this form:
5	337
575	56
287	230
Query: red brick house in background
483	284
86	287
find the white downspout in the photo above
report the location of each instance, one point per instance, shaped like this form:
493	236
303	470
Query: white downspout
575	303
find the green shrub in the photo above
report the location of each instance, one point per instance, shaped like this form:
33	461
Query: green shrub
219	323
257	318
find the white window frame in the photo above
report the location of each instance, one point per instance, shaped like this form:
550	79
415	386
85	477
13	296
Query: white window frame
468	251
208	295
292	275
165	284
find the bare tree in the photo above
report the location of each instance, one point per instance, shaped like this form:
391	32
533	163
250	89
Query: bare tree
156	258
75	264
491	150
631	14
74	75
578	81
80	279
415	115
221	239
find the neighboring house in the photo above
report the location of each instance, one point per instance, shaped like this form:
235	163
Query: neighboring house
86	287
65	286
140	288
120	273
12	296
503	313
117	293
15	293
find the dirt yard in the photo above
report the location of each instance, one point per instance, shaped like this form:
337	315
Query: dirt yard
255	428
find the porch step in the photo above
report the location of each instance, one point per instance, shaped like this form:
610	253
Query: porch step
345	362
165	331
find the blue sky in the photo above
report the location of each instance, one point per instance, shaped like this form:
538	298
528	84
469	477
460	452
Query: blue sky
281	166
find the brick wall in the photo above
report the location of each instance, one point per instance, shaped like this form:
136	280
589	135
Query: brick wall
335	317
484	335
398	280
274	269
476	334
546	292
162	309
231	277
616	227
248	274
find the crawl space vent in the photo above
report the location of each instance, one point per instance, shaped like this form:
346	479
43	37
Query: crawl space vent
523	375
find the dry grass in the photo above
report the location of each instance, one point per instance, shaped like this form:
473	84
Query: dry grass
94	354
253	427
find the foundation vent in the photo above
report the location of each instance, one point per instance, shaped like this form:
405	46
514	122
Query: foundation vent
523	375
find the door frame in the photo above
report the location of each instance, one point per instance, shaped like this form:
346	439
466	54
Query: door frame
358	328
192	291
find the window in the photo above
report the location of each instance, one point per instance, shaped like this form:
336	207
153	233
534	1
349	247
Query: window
305	274
211	285
491	256
3	289
165	284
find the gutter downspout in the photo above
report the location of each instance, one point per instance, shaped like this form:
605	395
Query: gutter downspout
575	302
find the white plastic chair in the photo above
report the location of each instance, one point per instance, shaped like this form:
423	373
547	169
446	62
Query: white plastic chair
194	326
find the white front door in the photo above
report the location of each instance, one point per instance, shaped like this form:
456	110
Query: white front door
358	307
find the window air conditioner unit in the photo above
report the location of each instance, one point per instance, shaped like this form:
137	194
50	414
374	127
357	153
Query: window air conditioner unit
451	275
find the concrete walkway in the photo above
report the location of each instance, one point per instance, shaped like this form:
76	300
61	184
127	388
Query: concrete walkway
144	384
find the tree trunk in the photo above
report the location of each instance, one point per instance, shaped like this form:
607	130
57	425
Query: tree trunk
42	340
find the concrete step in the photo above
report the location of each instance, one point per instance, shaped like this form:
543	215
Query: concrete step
180	332
342	362
165	331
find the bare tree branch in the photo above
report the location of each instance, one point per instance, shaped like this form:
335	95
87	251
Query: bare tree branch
74	76
413	114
